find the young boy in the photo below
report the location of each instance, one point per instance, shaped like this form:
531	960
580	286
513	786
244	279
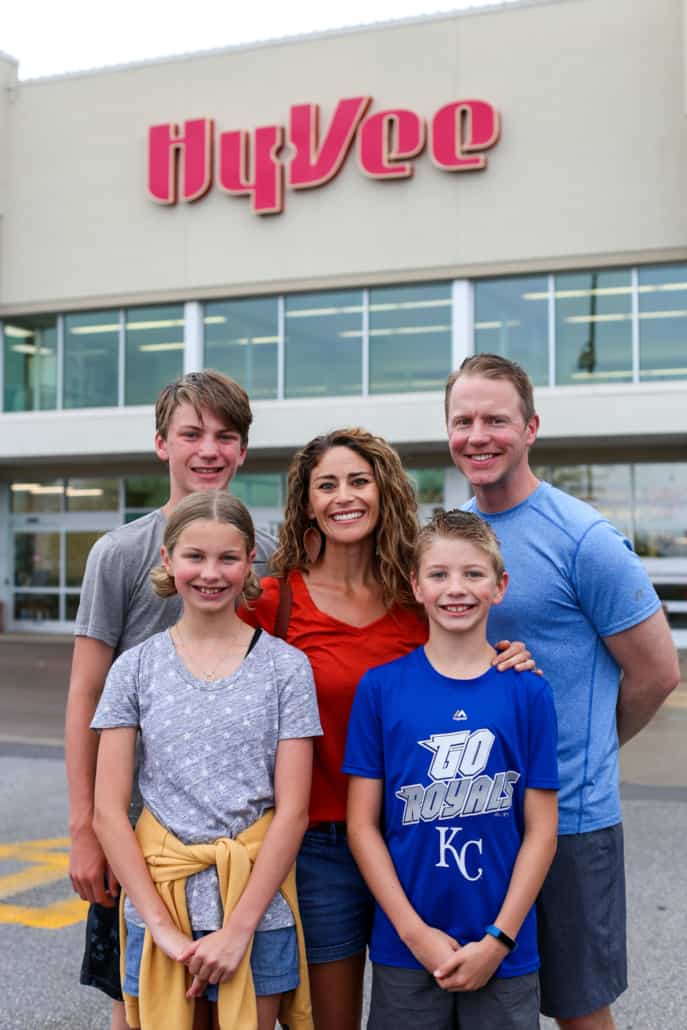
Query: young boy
202	422
452	810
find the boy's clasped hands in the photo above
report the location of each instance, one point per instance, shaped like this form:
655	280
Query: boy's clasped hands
455	967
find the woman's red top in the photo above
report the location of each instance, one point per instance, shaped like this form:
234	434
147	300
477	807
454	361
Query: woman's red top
339	655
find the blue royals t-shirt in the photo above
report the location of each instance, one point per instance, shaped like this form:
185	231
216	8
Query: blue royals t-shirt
456	757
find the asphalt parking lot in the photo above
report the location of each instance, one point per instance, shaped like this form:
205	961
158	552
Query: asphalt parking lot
42	921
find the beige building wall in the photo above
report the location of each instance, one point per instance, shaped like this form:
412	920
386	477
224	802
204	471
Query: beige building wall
590	167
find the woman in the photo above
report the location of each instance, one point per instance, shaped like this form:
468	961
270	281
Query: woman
342	595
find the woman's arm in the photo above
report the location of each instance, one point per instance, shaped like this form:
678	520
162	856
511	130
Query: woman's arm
114	778
429	945
477	961
217	956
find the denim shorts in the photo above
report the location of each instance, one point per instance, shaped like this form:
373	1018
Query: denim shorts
581	925
273	961
335	904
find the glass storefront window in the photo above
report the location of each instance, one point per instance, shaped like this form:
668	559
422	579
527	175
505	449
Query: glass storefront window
146	492
258	489
593	327
36	559
36	607
30	363
91	359
661	509
410	337
92	495
663	322
241	338
78	546
429	485
154	351
71	606
323	345
37	496
608	488
511	320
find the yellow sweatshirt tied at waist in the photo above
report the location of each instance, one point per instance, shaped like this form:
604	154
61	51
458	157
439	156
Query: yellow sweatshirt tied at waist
163	981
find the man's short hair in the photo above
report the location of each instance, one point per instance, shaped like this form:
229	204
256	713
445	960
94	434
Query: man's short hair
493	366
210	390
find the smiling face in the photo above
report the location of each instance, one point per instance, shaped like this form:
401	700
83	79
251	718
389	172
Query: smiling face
209	563
343	497
457	584
203	453
489	440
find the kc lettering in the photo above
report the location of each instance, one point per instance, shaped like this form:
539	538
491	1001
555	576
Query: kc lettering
459	853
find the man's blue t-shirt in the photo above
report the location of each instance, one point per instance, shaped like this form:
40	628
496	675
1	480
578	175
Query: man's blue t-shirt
456	757
573	580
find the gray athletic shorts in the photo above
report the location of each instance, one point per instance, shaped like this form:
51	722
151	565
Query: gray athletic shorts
581	925
406	999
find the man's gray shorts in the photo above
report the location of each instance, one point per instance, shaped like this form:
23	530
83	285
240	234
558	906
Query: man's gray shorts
581	925
406	999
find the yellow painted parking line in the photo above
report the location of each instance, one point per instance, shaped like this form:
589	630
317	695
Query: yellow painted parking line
46	861
51	917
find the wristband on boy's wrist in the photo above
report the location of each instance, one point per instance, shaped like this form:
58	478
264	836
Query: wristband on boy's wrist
507	941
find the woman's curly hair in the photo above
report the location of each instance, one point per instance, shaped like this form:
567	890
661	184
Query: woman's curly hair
396	529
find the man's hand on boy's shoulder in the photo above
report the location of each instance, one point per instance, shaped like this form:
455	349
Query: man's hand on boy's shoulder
431	946
471	966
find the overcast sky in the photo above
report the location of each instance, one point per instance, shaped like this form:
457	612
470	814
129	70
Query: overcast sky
52	36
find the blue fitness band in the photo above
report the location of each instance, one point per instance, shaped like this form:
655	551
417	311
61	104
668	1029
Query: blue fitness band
507	941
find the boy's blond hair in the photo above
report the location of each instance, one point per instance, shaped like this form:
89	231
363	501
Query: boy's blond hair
460	525
208	390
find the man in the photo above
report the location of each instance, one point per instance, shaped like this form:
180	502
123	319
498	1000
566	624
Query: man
202	422
581	599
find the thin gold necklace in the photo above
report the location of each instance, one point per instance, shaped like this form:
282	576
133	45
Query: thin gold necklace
211	674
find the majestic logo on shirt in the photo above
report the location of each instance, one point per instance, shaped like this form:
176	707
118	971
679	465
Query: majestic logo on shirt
460	715
459	786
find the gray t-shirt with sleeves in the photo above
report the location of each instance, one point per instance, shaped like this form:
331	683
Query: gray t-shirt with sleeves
209	748
118	604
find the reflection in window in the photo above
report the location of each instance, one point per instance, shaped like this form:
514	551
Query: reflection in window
36	607
323	344
78	546
146	492
91	359
36	496
30	363
661	509
154	351
241	338
36	559
429	485
92	495
593	327
71	606
258	489
511	320
663	322
410	338
608	488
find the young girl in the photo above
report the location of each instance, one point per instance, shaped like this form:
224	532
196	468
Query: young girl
226	716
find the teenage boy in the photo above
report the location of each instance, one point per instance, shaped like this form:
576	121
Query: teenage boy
202	422
457	763
596	627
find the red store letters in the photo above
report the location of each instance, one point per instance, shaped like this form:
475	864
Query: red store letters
181	161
